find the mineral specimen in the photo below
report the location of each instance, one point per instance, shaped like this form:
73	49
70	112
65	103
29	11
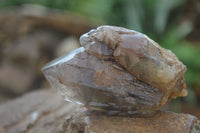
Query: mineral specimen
118	70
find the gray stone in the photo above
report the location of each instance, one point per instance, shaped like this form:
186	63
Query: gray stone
41	111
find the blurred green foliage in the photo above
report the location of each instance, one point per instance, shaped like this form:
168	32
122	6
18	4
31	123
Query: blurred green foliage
159	19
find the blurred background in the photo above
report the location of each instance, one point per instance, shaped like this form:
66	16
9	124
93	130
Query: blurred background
33	32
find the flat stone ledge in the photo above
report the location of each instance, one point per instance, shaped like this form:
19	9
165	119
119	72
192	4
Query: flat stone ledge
162	121
37	112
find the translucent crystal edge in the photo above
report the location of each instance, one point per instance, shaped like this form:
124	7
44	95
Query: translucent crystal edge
63	58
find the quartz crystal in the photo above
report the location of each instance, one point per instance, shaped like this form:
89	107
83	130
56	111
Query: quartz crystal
118	70
140	56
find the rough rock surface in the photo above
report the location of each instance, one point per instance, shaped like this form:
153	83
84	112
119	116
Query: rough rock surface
37	112
165	122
